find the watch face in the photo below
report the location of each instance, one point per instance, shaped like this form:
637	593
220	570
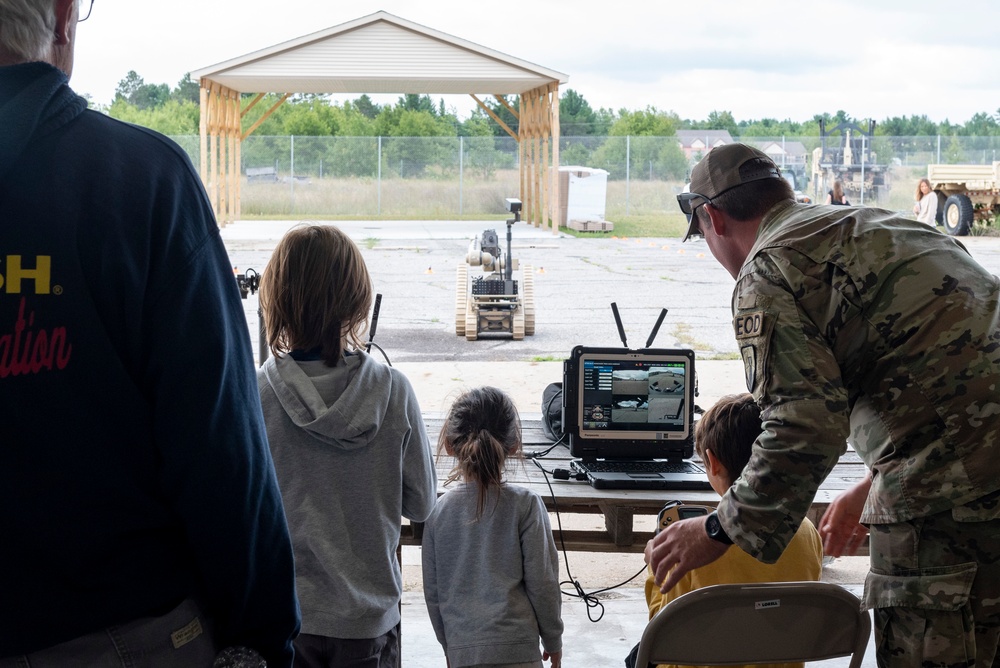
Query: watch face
715	531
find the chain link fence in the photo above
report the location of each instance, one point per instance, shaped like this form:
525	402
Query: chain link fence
467	177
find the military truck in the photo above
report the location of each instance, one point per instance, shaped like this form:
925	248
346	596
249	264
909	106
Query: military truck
966	194
849	159
495	302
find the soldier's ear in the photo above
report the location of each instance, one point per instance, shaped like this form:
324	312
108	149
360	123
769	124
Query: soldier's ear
717	219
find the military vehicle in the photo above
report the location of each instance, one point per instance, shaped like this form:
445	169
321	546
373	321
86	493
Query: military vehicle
495	303
849	159
966	194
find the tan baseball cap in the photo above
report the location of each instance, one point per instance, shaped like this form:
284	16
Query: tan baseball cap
724	168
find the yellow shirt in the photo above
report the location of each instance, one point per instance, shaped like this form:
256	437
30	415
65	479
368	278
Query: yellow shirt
801	560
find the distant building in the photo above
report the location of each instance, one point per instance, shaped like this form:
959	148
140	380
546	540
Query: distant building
785	154
696	143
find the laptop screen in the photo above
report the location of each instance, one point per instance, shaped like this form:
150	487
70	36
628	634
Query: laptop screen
630	402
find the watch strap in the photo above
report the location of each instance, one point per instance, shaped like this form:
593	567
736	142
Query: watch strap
715	531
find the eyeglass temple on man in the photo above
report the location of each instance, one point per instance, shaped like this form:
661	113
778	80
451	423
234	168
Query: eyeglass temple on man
85	7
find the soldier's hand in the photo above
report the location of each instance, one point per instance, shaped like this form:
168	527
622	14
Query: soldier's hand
841	527
679	548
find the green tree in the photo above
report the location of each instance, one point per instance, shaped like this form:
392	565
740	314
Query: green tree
366	107
150	96
414	102
576	117
187	89
129	85
480	145
718	120
647	122
954	153
137	92
173	117
650	146
504	114
417	141
907	126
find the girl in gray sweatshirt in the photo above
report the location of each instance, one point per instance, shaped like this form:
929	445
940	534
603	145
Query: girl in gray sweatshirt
349	447
490	565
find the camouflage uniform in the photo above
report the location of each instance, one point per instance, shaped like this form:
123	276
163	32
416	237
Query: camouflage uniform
857	322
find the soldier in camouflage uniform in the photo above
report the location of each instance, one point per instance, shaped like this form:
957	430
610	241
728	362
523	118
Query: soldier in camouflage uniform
857	323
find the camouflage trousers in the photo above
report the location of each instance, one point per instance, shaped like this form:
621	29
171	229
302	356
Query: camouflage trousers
934	588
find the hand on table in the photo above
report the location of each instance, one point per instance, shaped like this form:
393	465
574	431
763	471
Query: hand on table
841	527
679	548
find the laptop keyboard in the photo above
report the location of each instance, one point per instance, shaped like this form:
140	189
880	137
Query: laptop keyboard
638	467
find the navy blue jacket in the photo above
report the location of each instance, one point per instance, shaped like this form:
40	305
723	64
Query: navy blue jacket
134	467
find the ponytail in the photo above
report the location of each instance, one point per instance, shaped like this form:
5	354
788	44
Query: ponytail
482	430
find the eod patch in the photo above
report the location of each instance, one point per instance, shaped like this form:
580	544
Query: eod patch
753	333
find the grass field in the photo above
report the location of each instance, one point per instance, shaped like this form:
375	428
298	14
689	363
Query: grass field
637	208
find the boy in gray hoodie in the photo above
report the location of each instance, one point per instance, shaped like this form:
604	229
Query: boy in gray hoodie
349	448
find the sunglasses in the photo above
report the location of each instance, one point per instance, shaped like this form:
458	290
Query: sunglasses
689	203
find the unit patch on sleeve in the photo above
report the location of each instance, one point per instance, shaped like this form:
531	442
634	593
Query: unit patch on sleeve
753	335
749	354
749	325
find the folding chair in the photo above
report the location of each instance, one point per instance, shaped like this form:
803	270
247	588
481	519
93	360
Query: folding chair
771	622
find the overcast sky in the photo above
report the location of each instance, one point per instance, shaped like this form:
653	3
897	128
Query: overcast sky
765	58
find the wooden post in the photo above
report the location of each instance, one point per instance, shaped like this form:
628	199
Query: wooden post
213	136
239	157
232	134
554	180
203	135
222	133
545	110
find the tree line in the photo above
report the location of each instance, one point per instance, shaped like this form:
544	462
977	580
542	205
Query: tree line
175	111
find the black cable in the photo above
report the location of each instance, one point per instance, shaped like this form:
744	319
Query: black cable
589	598
369	348
547	450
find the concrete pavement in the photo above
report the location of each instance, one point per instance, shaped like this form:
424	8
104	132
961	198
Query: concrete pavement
412	263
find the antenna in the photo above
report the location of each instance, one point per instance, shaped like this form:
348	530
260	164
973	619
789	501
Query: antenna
656	328
371	330
618	321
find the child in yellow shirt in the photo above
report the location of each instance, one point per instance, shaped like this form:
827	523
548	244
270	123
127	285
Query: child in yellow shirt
724	438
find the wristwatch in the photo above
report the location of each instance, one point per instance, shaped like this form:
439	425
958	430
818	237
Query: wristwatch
715	531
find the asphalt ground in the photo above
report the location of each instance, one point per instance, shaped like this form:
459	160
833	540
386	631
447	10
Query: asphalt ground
413	266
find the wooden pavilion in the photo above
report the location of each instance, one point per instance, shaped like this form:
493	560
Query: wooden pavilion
381	53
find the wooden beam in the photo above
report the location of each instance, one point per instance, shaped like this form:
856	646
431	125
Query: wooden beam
253	103
265	116
494	116
502	100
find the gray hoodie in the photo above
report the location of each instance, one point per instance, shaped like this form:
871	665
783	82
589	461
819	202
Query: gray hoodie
352	457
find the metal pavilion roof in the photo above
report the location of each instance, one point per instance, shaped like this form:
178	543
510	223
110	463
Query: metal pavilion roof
379	53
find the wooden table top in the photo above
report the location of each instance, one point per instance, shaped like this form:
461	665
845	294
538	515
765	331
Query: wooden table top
618	506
